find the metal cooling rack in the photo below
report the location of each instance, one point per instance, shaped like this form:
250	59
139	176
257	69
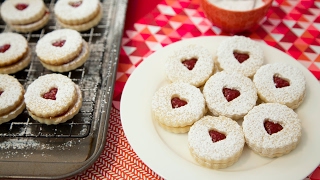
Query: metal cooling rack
77	143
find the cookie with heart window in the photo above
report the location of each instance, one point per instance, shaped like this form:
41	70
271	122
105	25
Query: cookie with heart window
25	15
53	99
62	50
79	15
15	54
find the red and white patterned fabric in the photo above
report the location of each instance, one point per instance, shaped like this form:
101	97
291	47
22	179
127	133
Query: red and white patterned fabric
291	26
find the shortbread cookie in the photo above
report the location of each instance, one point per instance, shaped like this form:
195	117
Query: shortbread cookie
191	64
11	98
15	53
280	83
216	142
62	50
272	129
26	15
53	99
79	15
230	94
240	54
177	106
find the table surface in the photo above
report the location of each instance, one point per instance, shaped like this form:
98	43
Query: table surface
292	26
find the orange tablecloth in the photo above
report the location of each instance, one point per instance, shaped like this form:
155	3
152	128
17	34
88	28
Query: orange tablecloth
292	26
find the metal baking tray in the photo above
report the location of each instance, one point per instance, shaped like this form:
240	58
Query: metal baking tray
32	150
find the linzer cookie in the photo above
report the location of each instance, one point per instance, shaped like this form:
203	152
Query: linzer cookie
216	142
240	54
79	15
53	99
62	50
177	106
11	98
280	83
15	53
25	15
191	64
230	94
272	129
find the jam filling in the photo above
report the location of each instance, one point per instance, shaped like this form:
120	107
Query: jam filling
51	94
177	102
59	43
75	4
4	48
190	63
272	127
21	6
230	94
216	136
1	92
280	82
241	57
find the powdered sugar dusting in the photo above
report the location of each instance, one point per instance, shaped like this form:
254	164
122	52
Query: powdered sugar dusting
292	95
239	106
200	141
203	69
228	62
182	116
256	135
18	46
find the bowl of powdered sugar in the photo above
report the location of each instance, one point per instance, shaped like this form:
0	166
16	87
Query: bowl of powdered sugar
235	16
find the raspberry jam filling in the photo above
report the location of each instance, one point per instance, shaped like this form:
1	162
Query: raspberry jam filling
51	94
216	136
4	48
21	6
1	92
190	63
59	43
241	57
280	82
230	94
177	102
75	4
272	127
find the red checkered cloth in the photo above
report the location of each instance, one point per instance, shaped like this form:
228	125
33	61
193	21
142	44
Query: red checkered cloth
291	26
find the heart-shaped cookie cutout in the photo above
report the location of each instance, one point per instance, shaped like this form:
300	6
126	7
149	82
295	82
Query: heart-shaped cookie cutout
4	48
272	127
75	3
21	6
176	102
216	135
59	43
230	94
240	56
280	82
190	63
51	94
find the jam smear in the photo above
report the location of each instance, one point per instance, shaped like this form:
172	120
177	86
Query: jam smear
230	94
190	63
280	82
272	127
216	136
75	4
21	6
177	102
51	94
59	43
4	48
1	92
241	57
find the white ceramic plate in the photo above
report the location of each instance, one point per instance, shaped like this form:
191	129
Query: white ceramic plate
167	154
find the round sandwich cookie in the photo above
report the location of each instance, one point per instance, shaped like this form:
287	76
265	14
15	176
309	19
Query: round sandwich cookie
53	99
11	98
62	50
15	53
25	15
79	15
